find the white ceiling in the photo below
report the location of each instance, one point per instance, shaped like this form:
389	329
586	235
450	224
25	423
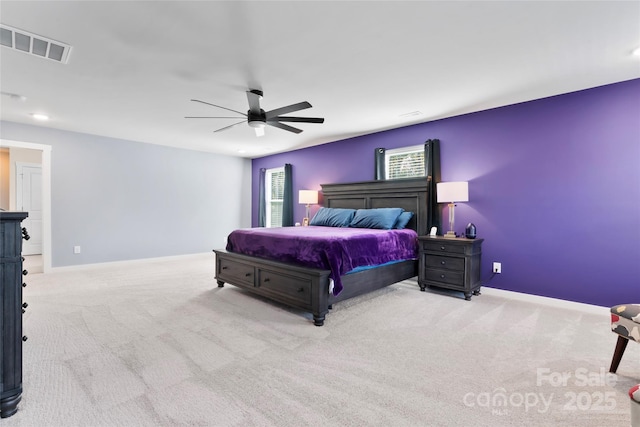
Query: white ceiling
134	66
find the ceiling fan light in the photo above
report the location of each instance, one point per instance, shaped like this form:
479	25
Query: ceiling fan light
257	124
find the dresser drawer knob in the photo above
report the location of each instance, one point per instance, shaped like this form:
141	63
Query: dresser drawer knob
224	267
443	262
248	274
442	276
24	338
267	280
300	290
25	272
442	248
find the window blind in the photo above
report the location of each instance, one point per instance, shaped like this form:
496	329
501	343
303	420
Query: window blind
405	164
275	192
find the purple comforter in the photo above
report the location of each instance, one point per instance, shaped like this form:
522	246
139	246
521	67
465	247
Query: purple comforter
328	248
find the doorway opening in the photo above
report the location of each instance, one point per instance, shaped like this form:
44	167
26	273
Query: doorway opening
25	154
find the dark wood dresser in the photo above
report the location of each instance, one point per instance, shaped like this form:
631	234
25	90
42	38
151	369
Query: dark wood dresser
450	263
11	309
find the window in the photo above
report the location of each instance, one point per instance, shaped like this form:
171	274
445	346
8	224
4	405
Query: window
405	162
274	196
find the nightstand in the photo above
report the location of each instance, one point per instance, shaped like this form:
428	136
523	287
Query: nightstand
451	263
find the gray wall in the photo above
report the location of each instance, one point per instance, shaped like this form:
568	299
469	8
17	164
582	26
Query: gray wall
124	200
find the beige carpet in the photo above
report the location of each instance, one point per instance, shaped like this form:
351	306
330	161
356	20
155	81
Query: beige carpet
156	343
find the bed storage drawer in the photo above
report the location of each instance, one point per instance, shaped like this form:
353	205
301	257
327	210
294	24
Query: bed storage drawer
236	272
293	287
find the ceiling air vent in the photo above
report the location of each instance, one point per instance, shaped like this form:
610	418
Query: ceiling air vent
34	44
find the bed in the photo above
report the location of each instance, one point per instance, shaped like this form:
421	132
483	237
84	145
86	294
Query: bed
312	289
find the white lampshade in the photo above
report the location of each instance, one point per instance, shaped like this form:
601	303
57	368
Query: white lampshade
308	197
449	192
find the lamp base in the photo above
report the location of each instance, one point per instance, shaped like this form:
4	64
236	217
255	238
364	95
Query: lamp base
450	235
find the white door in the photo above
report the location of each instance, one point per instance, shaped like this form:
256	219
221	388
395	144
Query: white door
29	199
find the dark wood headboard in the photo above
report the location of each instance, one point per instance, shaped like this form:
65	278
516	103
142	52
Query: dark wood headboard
409	194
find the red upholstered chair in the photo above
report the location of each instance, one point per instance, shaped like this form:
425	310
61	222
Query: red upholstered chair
625	321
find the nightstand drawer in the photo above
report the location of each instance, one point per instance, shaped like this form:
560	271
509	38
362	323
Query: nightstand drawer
442	246
236	272
445	276
444	262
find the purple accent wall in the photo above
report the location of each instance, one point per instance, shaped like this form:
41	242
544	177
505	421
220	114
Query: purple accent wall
554	188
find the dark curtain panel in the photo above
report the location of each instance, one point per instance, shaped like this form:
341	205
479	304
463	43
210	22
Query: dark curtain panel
432	171
287	199
262	203
379	162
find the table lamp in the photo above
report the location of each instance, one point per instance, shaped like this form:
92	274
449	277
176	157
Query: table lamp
451	192
307	197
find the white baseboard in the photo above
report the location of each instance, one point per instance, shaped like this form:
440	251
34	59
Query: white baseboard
552	302
81	267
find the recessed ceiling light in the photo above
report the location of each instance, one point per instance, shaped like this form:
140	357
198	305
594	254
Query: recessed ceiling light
242	151
637	52
41	117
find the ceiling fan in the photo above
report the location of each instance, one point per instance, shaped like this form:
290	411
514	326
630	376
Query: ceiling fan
257	118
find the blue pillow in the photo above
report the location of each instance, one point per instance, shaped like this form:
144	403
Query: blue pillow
403	220
382	218
333	217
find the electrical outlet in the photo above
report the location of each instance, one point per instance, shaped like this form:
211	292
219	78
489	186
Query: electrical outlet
76	249
497	267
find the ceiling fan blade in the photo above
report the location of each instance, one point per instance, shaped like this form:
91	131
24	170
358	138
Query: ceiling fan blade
297	119
210	117
253	96
230	126
283	126
288	109
214	105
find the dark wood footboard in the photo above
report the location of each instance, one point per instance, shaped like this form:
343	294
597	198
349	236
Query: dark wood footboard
295	286
300	287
